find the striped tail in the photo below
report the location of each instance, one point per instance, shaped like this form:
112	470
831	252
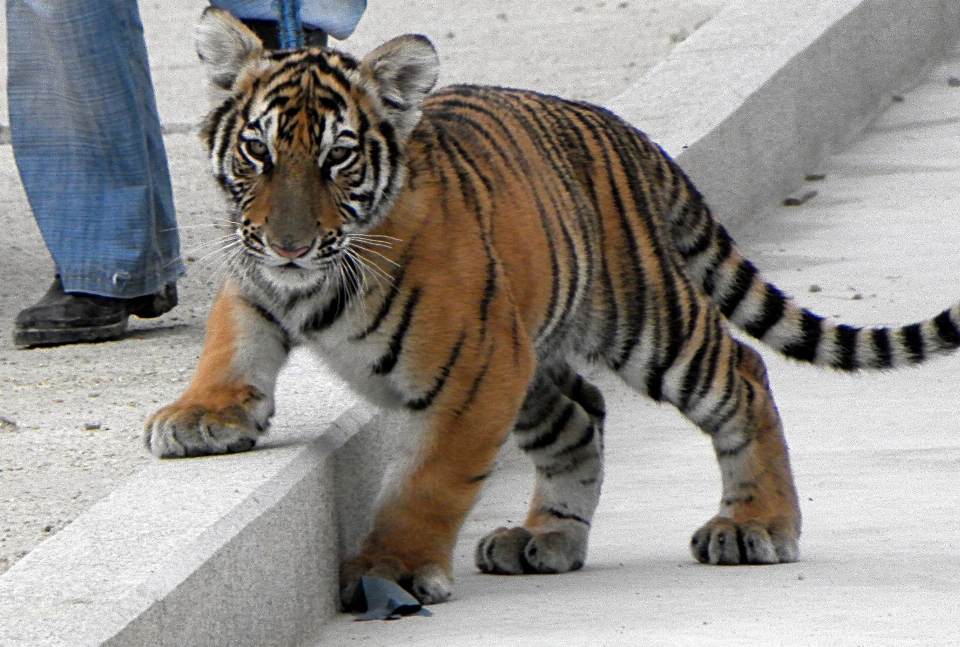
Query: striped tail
761	310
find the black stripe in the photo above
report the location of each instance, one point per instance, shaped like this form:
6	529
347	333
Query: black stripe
578	393
212	122
810	331
543	405
477	381
655	383
554	432
913	341
585	439
733	451
387	363
947	330
723	248
559	514
692	377
774	307
387	304
713	362
845	340
701	243
735	293
881	346
460	159
428	398
229	132
334	308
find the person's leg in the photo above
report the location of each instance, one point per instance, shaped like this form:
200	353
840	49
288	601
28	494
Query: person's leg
87	142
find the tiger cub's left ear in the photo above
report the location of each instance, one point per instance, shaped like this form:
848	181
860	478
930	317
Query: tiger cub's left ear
402	72
226	46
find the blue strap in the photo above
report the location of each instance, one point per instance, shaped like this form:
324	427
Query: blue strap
290	25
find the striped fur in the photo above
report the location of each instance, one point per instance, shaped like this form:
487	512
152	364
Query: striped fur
450	253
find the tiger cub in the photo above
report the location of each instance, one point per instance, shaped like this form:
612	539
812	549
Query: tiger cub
447	253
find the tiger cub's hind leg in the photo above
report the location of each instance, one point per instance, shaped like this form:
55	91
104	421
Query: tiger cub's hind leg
721	385
561	428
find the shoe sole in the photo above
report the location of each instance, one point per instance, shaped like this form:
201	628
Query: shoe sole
28	337
154	305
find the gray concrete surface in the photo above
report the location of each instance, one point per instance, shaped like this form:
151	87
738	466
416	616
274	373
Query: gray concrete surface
875	457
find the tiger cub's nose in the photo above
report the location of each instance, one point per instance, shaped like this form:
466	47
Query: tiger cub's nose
289	253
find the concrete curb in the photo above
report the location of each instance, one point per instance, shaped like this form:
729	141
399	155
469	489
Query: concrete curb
242	550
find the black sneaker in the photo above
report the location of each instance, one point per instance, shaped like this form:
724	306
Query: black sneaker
268	31
77	318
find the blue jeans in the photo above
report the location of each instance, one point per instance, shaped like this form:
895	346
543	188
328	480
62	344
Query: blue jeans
86	138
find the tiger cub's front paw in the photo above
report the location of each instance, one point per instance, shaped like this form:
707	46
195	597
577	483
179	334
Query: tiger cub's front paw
182	430
430	583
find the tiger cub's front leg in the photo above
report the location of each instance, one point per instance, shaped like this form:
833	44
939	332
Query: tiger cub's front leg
229	401
481	387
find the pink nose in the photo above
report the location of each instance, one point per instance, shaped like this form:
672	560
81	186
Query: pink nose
290	253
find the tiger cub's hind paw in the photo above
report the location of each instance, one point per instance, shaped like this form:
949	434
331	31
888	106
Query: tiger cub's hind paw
723	542
516	551
183	431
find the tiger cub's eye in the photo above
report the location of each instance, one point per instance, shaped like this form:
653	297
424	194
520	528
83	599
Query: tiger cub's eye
338	154
257	149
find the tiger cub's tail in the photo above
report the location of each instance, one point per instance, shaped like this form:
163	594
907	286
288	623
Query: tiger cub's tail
761	310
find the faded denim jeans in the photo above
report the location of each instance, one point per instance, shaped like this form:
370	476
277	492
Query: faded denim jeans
86	138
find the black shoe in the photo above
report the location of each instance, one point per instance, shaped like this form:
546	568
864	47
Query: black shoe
268	31
76	318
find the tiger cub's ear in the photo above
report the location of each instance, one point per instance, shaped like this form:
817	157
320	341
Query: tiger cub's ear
401	73
226	46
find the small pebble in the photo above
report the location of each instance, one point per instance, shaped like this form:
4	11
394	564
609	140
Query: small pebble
813	289
91	426
815	177
954	81
797	199
6	424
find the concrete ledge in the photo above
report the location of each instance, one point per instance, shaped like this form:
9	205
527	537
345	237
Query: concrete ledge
237	550
243	550
760	94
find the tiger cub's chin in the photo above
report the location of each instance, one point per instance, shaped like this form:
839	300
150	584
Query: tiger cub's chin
294	279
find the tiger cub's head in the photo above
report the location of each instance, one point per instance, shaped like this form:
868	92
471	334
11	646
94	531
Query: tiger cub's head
308	144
